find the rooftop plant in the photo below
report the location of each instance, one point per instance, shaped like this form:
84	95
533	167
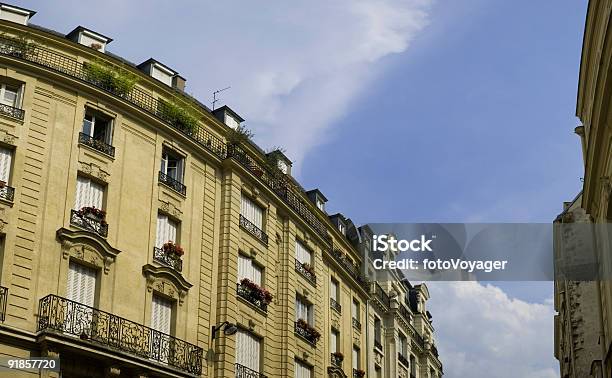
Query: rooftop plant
239	136
185	118
21	45
116	79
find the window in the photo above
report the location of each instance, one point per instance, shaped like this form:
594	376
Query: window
356	359
304	310
88	193
302	370
320	204
251	211
81	284
402	344
334	290
302	254
231	122
248	269
413	367
248	350
98	126
167	230
342	228
161	314
377	331
172	165
10	95
282	166
334	341
356	309
6	157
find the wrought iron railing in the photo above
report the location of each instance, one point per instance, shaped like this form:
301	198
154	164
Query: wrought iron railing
57	314
3	302
138	97
434	351
251	297
405	313
173	183
169	259
418	339
89	222
97	144
377	344
381	295
356	323
403	360
244	372
351	267
7	193
358	373
305	333
12	112
310	276
336	359
335	305
252	229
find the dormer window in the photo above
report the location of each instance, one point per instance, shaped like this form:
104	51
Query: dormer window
342	228
15	14
89	38
317	198
231	122
320	204
282	166
162	73
229	117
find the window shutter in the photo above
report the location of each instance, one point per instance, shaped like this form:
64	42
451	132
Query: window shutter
160	236
161	314
302	370
96	195
302	253
81	284
251	211
248	350
256	274
82	193
5	164
172	227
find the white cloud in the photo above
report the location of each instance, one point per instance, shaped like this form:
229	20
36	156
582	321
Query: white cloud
481	332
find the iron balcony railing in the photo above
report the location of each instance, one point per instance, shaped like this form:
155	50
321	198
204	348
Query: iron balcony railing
336	360
88	222
57	314
12	112
168	259
251	297
3	302
382	296
405	313
403	360
96	144
252	229
244	372
7	193
70	66
335	305
378	345
301	330
356	323
173	183
310	276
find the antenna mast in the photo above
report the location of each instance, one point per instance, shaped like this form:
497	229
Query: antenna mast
214	101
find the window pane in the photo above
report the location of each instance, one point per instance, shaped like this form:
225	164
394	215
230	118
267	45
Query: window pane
87	124
10	96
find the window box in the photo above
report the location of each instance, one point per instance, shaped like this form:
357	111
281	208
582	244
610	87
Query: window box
337	358
308	332
254	294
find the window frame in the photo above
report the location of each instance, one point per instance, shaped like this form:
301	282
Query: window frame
96	114
17	104
180	166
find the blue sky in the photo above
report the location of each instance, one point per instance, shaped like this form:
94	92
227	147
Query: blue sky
399	111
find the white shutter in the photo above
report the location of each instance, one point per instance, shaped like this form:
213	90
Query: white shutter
160	236
302	370
302	253
96	195
256	274
172	226
5	164
161	314
248	350
251	211
244	267
82	193
81	284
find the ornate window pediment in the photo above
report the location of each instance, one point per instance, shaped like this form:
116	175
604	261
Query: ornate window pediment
87	247
166	281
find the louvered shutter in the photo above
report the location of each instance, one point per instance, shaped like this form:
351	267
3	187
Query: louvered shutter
6	156
81	284
251	211
161	314
302	370
256	274
160	236
244	266
96	195
248	350
172	227
302	253
82	193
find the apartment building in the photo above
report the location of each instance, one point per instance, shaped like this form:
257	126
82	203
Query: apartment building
142	233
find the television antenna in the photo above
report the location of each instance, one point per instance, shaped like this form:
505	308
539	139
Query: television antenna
215	99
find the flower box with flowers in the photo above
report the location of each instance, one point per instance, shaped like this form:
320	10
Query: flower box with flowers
309	268
358	373
256	292
172	249
307	331
92	212
338	355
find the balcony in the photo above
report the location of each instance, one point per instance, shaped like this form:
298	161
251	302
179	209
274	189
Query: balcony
91	325
356	324
89	222
7	193
405	313
307	332
254	294
307	271
379	293
252	229
336	359
96	144
244	372
12	112
172	183
403	360
172	260
335	305
3	302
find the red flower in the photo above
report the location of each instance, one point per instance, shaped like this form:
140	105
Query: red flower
170	247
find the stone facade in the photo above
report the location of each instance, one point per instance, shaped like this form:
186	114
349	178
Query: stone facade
43	233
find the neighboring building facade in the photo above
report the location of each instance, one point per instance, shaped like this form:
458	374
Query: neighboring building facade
583	327
132	225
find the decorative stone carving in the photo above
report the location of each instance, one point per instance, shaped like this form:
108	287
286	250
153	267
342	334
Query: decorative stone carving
166	281
87	247
171	209
94	170
7	137
378	358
